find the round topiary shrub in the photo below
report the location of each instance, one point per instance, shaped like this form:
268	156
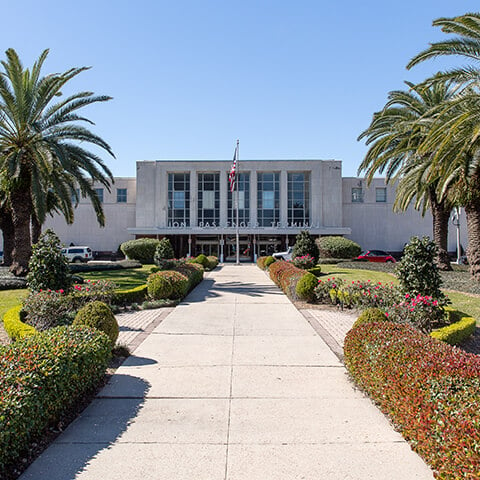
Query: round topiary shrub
178	281
202	260
338	247
48	267
212	262
98	315
306	286
370	315
268	261
158	286
142	249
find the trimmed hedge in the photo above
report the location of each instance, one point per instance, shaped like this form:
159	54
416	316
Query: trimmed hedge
142	249
132	295
194	273
305	287
371	314
286	275
338	247
428	388
261	262
14	326
41	377
456	332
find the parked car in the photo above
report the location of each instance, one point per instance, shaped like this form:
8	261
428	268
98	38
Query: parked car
78	254
376	256
287	255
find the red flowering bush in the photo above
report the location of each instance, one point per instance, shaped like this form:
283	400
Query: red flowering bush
304	262
326	290
41	377
47	309
423	312
429	389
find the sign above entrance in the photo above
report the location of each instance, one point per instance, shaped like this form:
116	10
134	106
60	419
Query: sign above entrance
208	225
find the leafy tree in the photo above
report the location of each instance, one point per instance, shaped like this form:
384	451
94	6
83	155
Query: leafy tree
48	267
417	271
42	151
305	245
395	138
456	129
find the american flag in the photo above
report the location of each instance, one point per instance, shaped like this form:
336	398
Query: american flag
232	177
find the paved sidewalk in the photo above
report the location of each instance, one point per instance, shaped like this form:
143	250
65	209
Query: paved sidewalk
233	384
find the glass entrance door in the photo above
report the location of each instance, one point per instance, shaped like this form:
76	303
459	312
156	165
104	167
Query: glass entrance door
246	249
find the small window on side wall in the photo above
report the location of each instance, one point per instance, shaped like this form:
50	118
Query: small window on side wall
381	195
121	195
99	192
357	195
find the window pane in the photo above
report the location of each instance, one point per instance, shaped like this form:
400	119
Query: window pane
381	194
179	200
268	199
99	192
357	195
121	195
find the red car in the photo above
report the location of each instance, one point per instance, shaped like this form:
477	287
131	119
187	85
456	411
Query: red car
376	256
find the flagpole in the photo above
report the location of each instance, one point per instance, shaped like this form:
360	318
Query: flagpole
237	181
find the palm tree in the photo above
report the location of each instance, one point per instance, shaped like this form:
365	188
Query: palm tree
40	150
395	136
466	44
457	129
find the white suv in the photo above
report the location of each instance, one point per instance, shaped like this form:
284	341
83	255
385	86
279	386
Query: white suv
78	254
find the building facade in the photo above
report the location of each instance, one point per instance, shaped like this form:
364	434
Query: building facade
190	202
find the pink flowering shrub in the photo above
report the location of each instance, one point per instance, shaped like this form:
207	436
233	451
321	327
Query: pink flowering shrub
46	309
327	290
422	312
304	262
50	308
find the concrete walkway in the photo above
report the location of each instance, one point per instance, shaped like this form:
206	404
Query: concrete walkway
233	384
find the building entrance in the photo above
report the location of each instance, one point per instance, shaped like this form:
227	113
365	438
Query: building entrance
246	248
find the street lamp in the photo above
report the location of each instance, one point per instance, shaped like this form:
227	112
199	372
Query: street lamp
456	222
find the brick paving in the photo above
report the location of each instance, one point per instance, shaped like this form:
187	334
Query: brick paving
134	326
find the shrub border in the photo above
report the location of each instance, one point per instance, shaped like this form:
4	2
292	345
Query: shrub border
13	325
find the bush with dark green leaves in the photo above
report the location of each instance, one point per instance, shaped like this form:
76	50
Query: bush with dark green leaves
202	260
158	286
178	281
41	378
141	249
417	271
305	287
269	260
338	247
164	254
370	315
100	316
212	262
48	267
305	245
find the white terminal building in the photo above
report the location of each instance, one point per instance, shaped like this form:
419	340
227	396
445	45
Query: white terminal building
190	202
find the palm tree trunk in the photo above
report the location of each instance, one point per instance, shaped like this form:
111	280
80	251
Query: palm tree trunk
441	217
21	213
6	225
472	212
36	229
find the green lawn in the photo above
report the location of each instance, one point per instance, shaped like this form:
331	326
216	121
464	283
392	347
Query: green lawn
124	279
349	274
10	298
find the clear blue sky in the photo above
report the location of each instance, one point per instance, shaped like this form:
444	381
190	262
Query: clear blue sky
290	79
